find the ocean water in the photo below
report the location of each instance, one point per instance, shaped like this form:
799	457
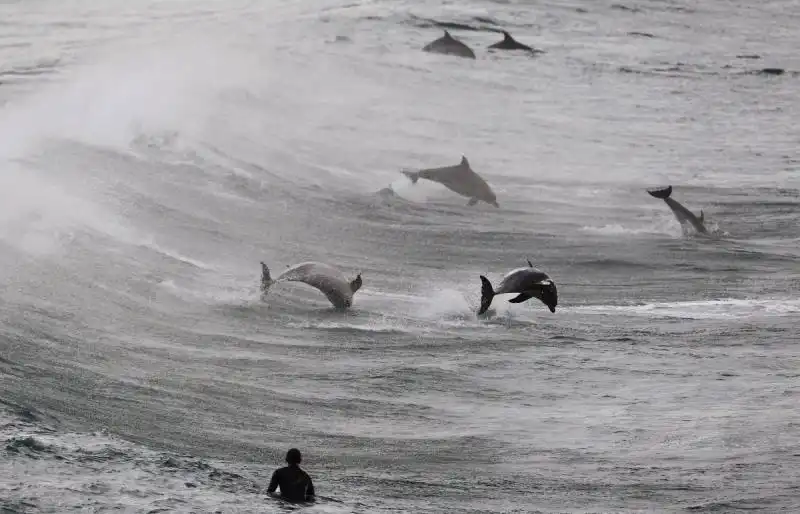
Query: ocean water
153	152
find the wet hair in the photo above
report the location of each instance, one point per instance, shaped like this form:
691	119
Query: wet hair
293	456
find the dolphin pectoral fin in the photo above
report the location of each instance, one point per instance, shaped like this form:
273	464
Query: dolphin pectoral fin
472	201
521	298
702	216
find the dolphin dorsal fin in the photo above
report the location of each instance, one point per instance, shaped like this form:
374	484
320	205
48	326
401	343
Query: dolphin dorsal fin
447	35
702	216
507	37
464	161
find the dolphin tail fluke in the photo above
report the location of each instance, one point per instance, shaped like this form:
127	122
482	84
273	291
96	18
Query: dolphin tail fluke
413	176
266	278
662	193
355	285
487	294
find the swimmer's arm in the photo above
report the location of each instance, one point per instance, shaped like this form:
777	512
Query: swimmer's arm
310	490
273	483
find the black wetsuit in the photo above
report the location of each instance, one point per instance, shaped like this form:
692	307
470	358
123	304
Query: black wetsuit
295	484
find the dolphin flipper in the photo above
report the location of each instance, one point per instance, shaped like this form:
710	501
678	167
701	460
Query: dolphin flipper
472	201
521	298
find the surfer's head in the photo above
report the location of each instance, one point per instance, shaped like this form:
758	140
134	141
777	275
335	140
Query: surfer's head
293	456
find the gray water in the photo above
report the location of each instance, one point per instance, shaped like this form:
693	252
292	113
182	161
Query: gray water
152	153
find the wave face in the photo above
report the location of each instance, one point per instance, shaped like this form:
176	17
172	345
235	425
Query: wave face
153	153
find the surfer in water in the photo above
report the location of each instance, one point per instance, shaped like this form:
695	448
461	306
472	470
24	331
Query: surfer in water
295	484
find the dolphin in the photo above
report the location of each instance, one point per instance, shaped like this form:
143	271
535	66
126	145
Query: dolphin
449	45
322	276
528	282
459	178
684	215
509	43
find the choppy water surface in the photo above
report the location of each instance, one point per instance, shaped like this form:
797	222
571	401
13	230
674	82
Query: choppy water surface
152	153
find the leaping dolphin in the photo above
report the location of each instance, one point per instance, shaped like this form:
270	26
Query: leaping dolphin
685	216
528	282
509	43
322	276
459	178
449	45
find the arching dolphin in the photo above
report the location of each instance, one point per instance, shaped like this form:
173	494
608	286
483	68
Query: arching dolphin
322	276
528	282
459	178
449	45
509	43
685	216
